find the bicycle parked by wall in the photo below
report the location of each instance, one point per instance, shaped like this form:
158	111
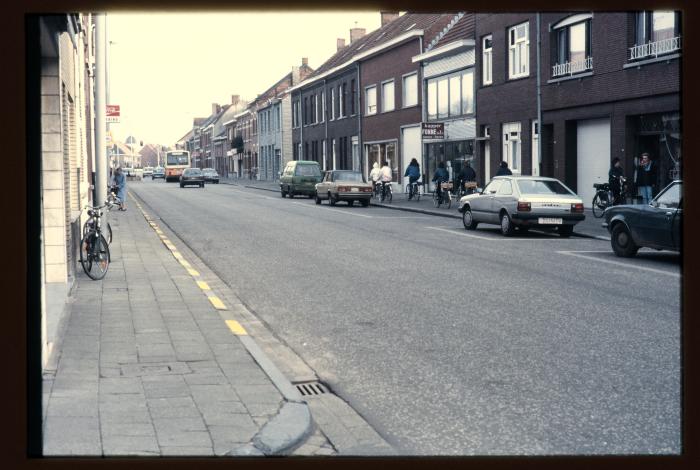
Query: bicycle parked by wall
605	197
94	248
444	195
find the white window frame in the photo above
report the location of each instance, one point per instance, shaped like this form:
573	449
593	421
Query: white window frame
515	49
332	104
511	142
369	112
414	89
323	106
487	61
323	153
386	109
341	108
535	154
333	153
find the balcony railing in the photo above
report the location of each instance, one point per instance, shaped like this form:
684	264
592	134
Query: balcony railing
571	68
655	49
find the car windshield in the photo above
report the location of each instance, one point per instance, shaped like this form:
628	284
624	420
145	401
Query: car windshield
308	170
349	176
193	172
542	187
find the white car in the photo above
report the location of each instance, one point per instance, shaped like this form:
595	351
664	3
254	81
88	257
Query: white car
148	171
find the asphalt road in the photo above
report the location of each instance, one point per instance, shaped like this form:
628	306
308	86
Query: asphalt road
448	341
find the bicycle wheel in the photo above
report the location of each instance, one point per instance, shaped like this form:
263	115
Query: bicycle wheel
85	249
417	194
109	233
436	199
389	195
598	206
448	197
99	257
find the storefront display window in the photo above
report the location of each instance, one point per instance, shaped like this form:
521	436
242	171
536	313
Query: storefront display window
454	154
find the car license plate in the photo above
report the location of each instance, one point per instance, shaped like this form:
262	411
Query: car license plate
550	220
355	190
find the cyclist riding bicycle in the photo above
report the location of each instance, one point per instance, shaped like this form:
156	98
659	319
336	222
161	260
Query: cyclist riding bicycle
441	176
374	175
385	176
465	176
413	173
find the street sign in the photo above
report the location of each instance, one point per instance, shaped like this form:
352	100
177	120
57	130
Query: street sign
113	113
433	130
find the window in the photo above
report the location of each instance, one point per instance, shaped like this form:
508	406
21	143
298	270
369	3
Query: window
486	62
432	99
410	90
443	97
353	97
669	199
492	187
451	95
323	154
341	100
314	109
388	96
371	100
323	106
656	33
512	145
518	51
468	92
332	103
506	189
572	52
306	111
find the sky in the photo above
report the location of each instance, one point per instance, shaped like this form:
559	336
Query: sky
165	69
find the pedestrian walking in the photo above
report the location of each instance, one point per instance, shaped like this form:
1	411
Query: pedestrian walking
614	181
413	173
503	169
646	178
119	182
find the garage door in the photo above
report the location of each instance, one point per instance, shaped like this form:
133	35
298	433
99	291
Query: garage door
592	156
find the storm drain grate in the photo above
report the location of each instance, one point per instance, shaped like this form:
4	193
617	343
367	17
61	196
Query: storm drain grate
311	388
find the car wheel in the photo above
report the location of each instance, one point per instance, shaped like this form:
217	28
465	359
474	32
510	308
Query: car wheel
364	202
565	231
318	199
622	243
331	199
283	193
507	227
468	220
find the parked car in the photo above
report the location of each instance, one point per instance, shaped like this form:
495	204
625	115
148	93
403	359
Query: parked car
523	202
192	176
655	225
148	171
210	175
128	171
300	177
158	172
344	185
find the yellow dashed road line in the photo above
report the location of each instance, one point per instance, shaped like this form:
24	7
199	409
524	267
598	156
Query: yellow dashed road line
203	285
236	328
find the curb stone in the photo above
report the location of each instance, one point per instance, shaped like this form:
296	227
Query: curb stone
292	424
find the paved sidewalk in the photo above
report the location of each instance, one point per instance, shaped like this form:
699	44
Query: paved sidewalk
590	227
149	365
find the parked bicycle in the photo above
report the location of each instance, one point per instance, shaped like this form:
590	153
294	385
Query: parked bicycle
385	192
605	197
445	192
94	248
413	190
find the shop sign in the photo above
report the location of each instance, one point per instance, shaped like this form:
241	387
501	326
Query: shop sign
113	113
433	130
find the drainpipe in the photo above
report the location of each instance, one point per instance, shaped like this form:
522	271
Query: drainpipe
359	121
325	120
301	124
100	112
539	100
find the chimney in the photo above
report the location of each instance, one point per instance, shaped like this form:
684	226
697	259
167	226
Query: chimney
388	16
215	108
340	43
304	61
356	33
235	99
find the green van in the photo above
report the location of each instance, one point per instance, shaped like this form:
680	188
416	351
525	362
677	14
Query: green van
300	177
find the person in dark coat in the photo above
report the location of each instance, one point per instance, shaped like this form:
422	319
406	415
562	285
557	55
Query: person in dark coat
467	174
646	178
441	176
614	176
413	173
503	169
